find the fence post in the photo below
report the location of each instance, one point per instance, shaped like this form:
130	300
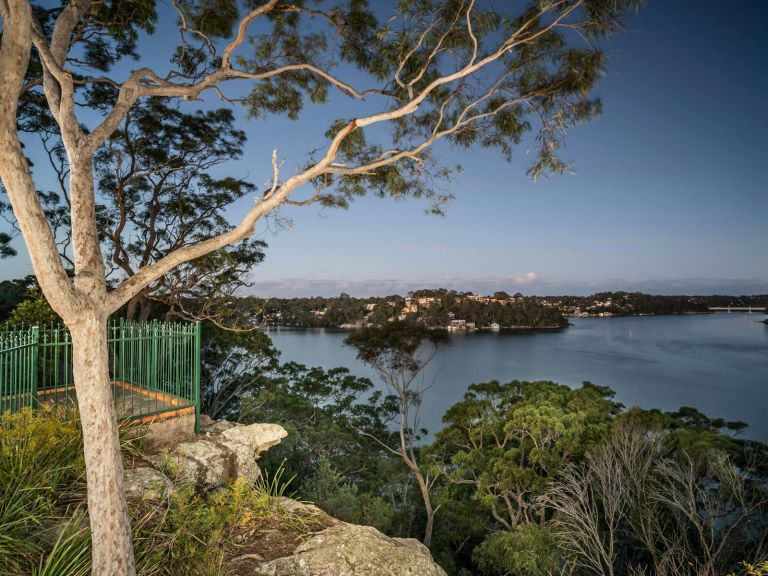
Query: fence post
35	363
154	331
196	382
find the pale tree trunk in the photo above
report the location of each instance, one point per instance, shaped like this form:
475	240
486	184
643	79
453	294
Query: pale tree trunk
407	452
408	456
82	303
429	510
107	510
428	530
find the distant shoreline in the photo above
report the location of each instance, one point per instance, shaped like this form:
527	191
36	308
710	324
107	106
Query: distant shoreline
686	313
513	329
465	312
351	328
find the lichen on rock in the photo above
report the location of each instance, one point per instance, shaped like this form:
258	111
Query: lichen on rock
224	452
145	483
351	550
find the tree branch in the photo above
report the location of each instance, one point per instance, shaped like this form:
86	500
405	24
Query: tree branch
14	168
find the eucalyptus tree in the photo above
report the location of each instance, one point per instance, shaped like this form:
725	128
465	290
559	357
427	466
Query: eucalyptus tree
156	193
399	352
432	70
504	443
507	441
236	364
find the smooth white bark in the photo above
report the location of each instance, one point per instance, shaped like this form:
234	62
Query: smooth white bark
107	510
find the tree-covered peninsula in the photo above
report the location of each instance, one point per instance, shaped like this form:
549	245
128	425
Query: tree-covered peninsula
455	311
468	312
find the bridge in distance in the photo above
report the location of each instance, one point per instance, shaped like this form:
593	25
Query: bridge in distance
749	309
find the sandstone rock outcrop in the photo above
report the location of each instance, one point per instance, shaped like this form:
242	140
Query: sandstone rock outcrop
351	550
146	483
223	452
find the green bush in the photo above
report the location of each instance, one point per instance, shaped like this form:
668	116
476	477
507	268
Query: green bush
527	550
33	311
327	488
41	477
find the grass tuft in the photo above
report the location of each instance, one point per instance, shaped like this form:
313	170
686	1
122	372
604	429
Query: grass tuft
71	552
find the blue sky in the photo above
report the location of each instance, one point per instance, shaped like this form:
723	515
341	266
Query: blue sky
670	193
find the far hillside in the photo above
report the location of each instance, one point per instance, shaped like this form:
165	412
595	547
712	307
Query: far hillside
468	312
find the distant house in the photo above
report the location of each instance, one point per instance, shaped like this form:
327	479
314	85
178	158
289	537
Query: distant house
495	326
461	326
479	298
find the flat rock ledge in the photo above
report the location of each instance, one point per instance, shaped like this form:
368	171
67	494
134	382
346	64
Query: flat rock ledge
224	451
351	550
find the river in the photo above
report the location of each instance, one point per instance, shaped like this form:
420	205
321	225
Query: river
717	363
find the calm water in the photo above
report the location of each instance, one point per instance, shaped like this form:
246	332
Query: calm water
717	363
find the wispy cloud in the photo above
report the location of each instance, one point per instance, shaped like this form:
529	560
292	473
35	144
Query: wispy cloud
291	287
527	283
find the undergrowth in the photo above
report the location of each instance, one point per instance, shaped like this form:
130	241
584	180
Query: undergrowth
43	520
42	478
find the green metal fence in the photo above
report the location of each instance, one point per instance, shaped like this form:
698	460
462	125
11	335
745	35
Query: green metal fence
154	368
18	369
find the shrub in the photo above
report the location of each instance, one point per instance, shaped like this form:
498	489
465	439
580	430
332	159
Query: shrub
41	474
527	550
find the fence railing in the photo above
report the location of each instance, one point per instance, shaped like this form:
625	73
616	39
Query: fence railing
154	367
18	369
